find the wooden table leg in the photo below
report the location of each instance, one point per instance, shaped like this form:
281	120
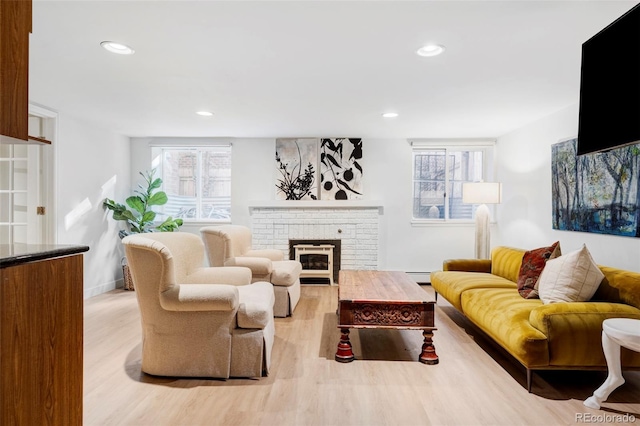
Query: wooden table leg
428	355
344	352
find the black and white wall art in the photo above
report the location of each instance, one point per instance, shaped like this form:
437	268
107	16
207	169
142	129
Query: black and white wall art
318	168
297	169
340	169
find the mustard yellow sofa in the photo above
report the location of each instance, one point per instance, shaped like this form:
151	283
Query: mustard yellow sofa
562	336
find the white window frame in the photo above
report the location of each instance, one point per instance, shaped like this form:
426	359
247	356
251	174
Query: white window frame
449	145
157	150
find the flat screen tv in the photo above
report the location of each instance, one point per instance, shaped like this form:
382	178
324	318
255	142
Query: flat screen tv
610	86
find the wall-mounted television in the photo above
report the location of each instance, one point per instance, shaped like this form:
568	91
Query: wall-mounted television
610	86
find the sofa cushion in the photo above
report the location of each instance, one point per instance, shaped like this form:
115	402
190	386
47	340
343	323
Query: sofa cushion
285	272
574	277
533	262
504	316
506	261
451	284
255	308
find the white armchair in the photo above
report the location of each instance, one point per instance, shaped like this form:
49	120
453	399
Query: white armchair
198	321
230	245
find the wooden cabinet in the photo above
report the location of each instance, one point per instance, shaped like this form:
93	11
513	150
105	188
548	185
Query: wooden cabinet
15	27
41	337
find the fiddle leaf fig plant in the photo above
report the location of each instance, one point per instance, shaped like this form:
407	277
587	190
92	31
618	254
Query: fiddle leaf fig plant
138	211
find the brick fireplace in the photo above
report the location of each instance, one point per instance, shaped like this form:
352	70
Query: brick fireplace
354	223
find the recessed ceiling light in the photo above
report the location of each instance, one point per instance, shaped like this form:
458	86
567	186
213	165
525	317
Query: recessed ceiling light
430	50
390	114
119	48
204	113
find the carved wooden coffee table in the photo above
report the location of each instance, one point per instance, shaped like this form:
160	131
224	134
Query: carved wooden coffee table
380	299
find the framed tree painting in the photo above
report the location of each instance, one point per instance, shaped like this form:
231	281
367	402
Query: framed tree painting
296	169
597	193
340	169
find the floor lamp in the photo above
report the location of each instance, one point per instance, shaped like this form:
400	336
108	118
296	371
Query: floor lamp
482	193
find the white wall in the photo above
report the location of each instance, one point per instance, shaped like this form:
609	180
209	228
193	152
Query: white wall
91	163
387	178
407	247
524	217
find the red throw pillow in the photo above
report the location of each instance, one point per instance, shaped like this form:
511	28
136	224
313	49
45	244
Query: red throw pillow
533	263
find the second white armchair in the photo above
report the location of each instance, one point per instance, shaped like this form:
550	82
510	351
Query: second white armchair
230	245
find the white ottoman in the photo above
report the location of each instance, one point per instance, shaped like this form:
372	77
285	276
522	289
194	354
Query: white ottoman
616	332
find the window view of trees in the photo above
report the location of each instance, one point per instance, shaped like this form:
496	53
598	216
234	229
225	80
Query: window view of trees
596	192
438	175
197	182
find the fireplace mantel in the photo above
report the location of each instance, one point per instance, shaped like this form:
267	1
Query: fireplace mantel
316	204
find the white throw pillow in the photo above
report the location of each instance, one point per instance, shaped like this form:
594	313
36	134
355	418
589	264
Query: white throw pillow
574	277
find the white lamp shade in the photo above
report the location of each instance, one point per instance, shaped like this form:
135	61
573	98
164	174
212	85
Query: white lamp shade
481	193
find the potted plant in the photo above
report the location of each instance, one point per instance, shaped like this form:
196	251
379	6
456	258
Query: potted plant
139	215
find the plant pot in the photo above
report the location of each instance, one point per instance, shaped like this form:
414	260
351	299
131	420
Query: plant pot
126	274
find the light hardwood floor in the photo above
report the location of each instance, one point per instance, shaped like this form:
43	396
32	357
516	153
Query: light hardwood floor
474	384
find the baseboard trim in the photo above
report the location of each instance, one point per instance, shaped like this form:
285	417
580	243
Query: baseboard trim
97	290
420	277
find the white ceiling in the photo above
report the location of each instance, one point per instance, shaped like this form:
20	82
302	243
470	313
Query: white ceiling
312	68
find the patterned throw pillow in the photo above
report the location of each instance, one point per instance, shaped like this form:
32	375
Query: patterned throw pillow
533	263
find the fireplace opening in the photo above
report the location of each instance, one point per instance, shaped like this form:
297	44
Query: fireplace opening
320	260
314	262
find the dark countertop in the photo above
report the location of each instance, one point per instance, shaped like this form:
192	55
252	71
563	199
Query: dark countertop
17	254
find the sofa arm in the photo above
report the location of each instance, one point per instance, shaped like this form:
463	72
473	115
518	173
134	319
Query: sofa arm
467	265
200	297
271	254
256	305
574	316
219	275
574	330
258	265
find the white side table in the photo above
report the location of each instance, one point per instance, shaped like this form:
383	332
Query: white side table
616	332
